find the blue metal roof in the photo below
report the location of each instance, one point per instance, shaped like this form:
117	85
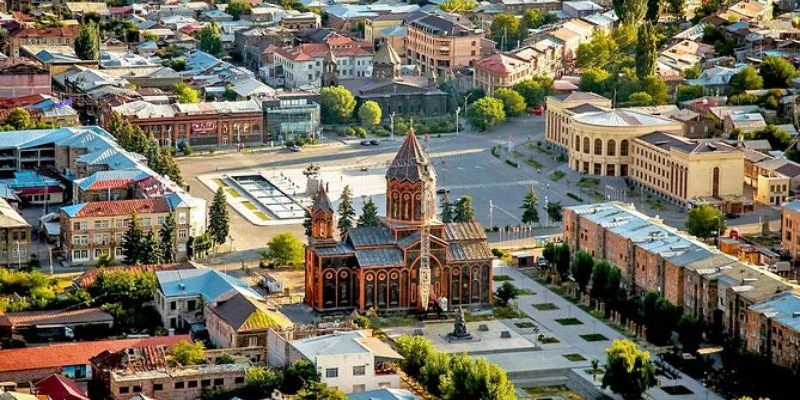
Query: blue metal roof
101	176
73	210
205	282
781	308
793	205
383	394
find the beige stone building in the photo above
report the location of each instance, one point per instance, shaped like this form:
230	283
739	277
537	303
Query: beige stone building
438	45
600	141
15	237
500	70
560	110
680	169
235	320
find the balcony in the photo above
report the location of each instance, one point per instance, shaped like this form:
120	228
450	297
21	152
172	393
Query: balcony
385	368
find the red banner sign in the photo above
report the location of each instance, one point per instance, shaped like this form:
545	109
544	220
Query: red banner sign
204	127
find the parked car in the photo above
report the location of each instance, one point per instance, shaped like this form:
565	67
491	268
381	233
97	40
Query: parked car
296	148
542	262
374	142
365	142
442	191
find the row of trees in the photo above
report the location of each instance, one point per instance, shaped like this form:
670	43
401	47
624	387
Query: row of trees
449	377
459	211
508	30
20	118
530	211
487	112
133	139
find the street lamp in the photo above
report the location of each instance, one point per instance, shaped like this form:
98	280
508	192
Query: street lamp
391	126
467	98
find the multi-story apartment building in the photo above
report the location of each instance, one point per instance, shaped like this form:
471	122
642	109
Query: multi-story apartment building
790	228
653	257
217	123
773	329
90	230
436	45
500	70
316	64
560	110
680	169
772	179
15	237
519	7
64	36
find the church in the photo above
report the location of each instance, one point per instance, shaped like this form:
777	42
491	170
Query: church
378	267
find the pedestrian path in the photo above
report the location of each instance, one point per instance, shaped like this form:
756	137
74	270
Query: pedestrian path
565	310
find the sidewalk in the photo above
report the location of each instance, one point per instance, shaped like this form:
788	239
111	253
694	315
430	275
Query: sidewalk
590	325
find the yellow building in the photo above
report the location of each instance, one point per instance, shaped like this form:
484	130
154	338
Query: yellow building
15	237
560	110
600	141
500	70
772	189
680	169
373	28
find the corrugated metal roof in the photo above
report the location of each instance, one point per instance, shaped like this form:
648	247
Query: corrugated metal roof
458	231
379	257
369	236
469	252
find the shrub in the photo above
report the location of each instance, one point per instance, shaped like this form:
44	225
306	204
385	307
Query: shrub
512	163
350	131
361	132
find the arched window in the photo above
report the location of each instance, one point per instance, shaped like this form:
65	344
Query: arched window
382	294
623	148
715	188
475	290
611	148
369	291
394	294
577	143
328	293
598	147
465	280
586	145
455	287
344	289
485	283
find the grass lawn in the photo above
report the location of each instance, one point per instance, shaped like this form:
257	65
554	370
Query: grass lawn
574	357
545	306
524	324
540	149
569	321
525	292
593	337
588	182
261	215
232	192
220	182
533	163
502	278
556	176
250	206
548	340
550	391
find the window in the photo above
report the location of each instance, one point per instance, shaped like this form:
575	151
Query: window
101	224
161	220
192	384
124	389
137	389
332	372
190	305
80	239
359	388
238	379
219	381
252	341
182	218
82	254
182	234
173	305
146	221
205	383
359	370
179	385
120	223
158	386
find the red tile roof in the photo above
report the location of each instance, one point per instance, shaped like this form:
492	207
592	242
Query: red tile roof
77	353
500	64
30	318
89	277
110	184
58	387
341	46
68	31
123	207
21	101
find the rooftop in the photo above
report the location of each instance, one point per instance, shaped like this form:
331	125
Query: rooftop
205	282
117	208
66	317
784	308
622	117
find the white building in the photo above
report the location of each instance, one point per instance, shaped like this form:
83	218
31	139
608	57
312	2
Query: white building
352	361
303	65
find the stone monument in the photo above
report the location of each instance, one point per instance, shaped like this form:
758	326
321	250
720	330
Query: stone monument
460	332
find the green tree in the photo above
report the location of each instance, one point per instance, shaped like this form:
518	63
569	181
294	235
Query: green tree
690	333
437	366
776	72
485	113
595	80
534	19
447	210
600	274
581	268
534	90
347	212
513	103
693	72
188	353
646	51
505	293
477	379
458	6
778	138
656	88
104	261
640	99
746	79
614	293
676	7
530	214
133	241
185	93
169	166
19	118
168	236
630	12
284	250
599	52
369	214
554	211
505	31
689	92
210	38
654	10
660	318
415	351
152	249
370	113
629	371
320	391
463	211
337	103
262	380
705	221
87	44
238	7
218	218
563	258
300	373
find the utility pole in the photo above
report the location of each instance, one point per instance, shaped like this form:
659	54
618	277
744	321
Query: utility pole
491	214
391	126
458	110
